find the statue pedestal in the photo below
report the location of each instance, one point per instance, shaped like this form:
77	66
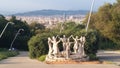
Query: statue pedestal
74	58
78	57
52	59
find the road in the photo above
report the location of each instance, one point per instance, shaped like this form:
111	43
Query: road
112	56
23	61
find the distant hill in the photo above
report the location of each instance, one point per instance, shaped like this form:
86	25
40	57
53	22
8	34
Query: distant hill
52	12
6	12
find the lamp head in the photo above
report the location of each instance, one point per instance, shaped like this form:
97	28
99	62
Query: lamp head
11	23
22	29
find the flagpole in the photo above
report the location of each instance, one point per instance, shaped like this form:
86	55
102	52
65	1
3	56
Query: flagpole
90	15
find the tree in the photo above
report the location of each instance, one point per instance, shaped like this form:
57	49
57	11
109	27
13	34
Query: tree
9	34
118	1
36	27
3	22
107	22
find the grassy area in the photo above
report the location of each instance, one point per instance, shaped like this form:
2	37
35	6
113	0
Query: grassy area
4	53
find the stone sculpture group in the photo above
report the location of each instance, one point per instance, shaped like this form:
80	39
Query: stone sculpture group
78	47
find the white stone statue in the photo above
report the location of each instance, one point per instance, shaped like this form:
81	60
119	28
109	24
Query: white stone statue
75	47
83	40
50	47
64	40
67	51
81	47
55	46
55	55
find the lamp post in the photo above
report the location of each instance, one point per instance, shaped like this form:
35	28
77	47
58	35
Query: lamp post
15	38
61	27
90	15
5	28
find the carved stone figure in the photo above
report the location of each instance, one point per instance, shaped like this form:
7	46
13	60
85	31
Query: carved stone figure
55	46
68	43
75	47
78	48
83	43
81	46
50	47
64	40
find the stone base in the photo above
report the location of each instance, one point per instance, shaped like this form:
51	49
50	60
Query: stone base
79	58
74	62
55	59
73	59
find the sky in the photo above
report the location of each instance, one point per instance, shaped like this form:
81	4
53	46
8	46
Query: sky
16	6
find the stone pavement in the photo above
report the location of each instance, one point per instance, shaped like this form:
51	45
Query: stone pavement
23	61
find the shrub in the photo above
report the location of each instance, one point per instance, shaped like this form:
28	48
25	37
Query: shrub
2	56
2	49
92	57
91	45
5	54
38	45
42	58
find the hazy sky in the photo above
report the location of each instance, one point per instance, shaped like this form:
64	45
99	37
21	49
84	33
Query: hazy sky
31	5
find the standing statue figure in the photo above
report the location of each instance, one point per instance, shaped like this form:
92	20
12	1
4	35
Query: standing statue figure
83	40
64	40
80	50
50	47
81	47
75	47
55	46
68	43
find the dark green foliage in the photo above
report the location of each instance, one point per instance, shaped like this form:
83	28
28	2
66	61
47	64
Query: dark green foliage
107	22
36	28
92	57
3	22
10	32
91	45
38	45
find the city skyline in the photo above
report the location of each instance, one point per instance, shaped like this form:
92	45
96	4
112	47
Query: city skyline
19	6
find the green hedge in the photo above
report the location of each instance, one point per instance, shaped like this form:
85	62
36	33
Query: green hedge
5	53
38	45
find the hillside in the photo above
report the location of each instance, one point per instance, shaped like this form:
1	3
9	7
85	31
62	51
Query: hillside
52	12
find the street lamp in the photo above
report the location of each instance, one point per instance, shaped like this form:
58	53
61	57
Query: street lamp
5	28
61	27
90	15
15	38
